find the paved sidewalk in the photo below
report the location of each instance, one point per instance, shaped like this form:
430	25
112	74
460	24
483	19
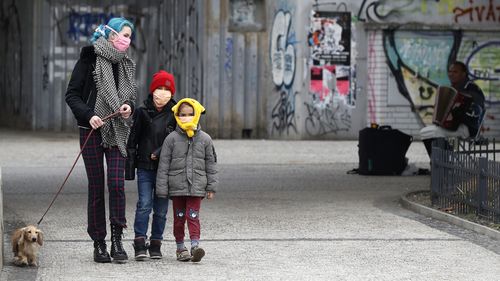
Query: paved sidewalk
285	210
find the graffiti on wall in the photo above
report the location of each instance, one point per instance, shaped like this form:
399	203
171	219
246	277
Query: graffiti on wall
82	25
246	15
45	75
228	59
283	113
283	58
331	99
327	116
477	12
484	61
282	50
180	50
429	11
481	54
419	61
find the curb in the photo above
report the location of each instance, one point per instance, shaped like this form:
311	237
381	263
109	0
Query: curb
436	214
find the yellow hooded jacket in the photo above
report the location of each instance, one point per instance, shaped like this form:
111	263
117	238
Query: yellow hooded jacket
192	126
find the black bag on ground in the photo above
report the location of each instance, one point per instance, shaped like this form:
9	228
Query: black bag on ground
382	151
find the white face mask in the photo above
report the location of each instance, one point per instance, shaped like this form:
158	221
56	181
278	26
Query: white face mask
161	97
186	119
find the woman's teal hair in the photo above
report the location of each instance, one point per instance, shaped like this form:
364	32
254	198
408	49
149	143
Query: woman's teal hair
115	23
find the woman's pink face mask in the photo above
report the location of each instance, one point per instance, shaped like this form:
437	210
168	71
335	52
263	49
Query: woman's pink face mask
121	43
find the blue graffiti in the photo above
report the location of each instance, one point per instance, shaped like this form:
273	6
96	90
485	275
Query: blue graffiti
228	63
83	24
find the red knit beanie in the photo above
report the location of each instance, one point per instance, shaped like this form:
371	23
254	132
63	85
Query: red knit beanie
162	78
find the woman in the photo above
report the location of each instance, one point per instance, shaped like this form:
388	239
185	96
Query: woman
102	83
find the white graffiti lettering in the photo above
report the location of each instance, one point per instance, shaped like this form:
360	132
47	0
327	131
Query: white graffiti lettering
282	51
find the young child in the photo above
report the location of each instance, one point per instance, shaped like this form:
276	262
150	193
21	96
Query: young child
187	173
152	123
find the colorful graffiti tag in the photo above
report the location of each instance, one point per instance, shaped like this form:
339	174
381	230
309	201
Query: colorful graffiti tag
430	11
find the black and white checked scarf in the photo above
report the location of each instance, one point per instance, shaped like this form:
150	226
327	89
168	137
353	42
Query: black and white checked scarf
115	131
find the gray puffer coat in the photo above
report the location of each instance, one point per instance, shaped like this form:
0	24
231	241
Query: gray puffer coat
187	166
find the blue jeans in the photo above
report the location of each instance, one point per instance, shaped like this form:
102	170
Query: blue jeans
146	186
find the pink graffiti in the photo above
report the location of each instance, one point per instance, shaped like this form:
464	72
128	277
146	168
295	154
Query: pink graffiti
478	13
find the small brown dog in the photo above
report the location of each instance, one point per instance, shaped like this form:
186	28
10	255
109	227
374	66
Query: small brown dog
25	244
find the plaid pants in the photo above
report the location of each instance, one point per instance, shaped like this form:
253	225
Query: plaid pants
93	154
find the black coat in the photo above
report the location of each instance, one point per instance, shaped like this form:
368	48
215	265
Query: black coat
148	133
82	92
471	112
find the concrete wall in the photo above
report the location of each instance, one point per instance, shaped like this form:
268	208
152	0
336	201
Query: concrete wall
44	39
235	68
258	66
328	107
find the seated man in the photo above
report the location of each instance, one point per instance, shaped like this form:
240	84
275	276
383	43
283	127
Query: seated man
467	118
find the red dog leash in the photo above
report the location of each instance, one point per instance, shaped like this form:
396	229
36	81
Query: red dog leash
74	163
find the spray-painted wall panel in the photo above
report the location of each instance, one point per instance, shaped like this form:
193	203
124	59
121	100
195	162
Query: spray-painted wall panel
313	63
211	63
418	61
234	73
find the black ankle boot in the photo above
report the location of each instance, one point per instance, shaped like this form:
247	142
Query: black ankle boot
155	249
117	252
140	249
100	253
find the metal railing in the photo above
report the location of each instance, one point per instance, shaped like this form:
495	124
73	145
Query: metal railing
465	177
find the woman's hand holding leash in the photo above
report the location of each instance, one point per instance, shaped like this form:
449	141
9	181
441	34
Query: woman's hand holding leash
125	111
96	122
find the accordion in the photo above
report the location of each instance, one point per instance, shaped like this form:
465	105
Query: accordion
447	100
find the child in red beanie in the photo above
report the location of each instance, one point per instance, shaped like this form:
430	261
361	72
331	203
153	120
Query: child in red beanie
153	121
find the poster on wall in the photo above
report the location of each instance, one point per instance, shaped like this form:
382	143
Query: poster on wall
329	38
329	80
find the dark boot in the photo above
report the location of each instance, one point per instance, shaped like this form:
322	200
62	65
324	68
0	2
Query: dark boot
100	253
140	249
154	249
117	252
